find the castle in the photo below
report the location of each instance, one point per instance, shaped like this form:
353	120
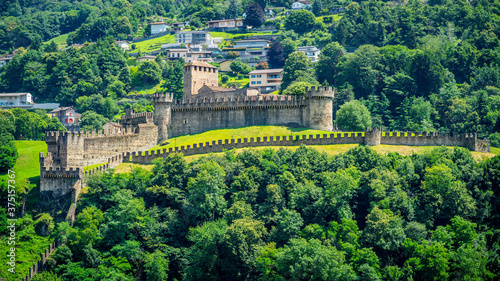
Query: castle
205	106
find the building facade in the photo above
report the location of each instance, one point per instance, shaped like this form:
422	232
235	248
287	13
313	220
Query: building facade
193	37
251	44
267	80
68	117
311	52
222	25
301	4
11	100
159	27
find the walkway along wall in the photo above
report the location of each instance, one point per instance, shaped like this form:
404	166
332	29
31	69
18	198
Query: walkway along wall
369	138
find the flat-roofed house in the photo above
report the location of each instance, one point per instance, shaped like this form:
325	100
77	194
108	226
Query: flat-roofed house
267	80
123	45
301	4
158	27
4	60
222	25
252	44
145	58
311	52
10	100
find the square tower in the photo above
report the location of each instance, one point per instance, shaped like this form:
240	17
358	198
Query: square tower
196	75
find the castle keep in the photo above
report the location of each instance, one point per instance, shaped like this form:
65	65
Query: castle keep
206	106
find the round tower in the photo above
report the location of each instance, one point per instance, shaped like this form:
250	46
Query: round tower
320	108
163	105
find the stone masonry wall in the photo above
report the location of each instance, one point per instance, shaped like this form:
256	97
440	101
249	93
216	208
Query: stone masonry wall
465	140
199	115
99	148
197	76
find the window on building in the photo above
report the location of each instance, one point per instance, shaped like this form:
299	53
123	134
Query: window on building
185	121
259	82
253	76
253	82
258	76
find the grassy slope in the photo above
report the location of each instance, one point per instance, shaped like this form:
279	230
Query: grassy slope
28	164
59	40
243	132
28	251
233	78
147	89
153	44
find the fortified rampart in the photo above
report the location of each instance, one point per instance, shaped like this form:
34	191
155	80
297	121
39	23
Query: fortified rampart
369	138
77	149
195	115
133	119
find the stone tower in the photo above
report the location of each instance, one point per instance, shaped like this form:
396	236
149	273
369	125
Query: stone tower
163	105
197	74
319	113
373	137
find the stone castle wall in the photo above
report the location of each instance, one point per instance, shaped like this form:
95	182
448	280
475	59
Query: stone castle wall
68	149
403	138
199	115
196	115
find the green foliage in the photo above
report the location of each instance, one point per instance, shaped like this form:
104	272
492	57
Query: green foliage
297	89
350	216
255	15
295	66
92	121
240	67
300	21
353	116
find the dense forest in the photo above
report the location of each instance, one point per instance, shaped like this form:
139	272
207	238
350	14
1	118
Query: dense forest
288	215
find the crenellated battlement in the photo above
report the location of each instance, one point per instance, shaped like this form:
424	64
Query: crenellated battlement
142	115
54	136
163	97
238	102
320	92
60	172
220	145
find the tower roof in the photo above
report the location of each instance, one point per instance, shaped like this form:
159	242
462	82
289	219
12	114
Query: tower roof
200	63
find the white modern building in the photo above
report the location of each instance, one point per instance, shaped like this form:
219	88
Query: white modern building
192	38
123	45
5	60
158	27
251	44
23	100
311	52
301	4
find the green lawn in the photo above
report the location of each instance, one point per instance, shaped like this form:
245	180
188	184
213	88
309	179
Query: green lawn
28	164
336	17
29	244
153	44
90	167
243	132
59	40
233	79
146	89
